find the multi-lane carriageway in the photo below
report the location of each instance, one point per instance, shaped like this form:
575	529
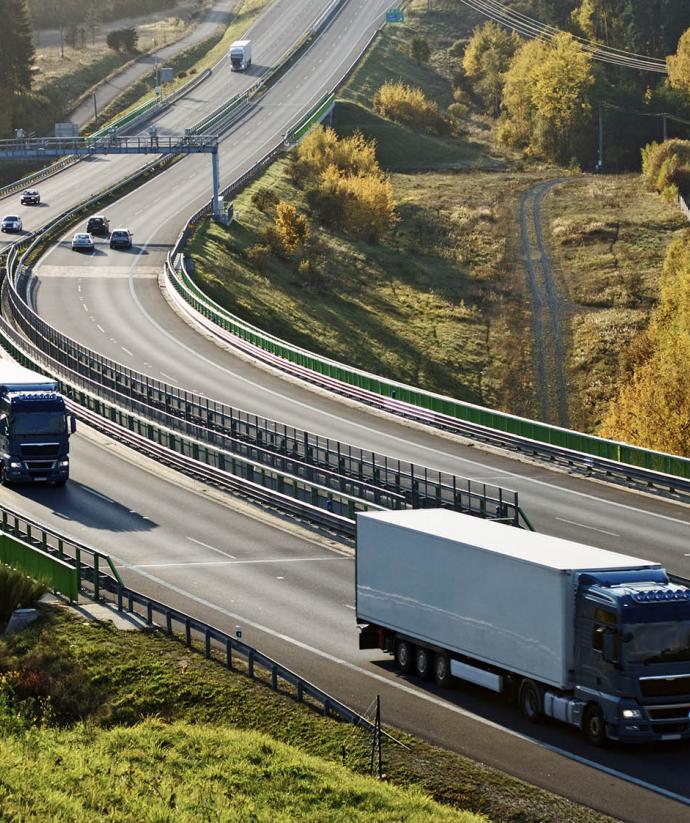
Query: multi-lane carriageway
293	591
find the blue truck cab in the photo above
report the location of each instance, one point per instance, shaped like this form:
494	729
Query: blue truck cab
633	655
34	428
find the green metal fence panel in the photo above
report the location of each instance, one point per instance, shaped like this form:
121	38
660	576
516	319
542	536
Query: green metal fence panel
60	576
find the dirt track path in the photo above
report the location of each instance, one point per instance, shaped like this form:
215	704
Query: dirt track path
549	357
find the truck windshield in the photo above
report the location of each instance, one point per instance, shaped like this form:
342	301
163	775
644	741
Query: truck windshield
657	642
39	423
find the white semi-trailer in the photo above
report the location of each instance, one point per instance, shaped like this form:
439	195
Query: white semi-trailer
240	55
594	638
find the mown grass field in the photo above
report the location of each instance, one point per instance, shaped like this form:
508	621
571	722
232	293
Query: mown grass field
607	236
165	734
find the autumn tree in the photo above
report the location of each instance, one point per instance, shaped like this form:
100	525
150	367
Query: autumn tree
486	59
292	228
546	97
679	64
322	148
365	203
653	406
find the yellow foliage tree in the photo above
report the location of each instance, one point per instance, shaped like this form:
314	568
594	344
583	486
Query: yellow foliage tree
368	206
546	96
486	59
679	64
653	407
322	148
292	228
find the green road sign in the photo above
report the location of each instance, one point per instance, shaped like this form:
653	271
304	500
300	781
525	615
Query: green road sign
395	16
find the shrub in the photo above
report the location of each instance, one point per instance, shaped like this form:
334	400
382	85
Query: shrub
666	166
259	256
409	106
17	591
264	198
321	148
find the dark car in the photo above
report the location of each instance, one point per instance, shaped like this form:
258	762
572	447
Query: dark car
98	224
30	197
121	239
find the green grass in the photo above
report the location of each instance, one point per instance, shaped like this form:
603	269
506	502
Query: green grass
433	305
185	772
607	237
170	735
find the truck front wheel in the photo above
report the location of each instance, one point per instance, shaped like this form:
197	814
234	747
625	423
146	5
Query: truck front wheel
531	701
404	656
594	725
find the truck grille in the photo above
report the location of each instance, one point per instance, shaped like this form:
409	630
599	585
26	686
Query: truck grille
40	466
669	728
669	712
665	686
44	450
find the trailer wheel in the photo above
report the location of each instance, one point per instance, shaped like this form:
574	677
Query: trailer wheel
404	656
423	663
442	674
594	725
531	701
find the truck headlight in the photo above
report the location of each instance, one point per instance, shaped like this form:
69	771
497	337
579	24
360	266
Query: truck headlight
15	465
63	464
632	714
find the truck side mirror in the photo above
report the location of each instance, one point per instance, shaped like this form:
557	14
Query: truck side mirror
608	651
72	424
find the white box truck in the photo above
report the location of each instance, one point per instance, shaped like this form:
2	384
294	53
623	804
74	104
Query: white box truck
34	430
584	635
240	55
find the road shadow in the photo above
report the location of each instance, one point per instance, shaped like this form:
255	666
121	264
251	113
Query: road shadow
79	503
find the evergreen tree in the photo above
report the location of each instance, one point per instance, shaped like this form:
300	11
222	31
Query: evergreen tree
16	47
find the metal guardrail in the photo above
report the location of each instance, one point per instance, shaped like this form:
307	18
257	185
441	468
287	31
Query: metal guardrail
386	395
36	177
101	581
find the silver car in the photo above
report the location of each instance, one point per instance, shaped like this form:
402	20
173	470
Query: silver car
11	222
82	241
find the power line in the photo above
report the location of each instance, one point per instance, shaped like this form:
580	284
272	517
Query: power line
535	29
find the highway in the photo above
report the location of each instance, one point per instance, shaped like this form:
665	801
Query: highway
296	603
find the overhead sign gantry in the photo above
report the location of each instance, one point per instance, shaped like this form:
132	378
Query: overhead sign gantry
32	148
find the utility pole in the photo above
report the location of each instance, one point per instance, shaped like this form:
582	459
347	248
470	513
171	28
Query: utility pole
664	121
600	153
95	109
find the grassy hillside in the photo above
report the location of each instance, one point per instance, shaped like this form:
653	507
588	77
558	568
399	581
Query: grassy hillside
134	726
607	239
185	772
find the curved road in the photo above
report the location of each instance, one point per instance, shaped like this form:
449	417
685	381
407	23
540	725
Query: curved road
111	302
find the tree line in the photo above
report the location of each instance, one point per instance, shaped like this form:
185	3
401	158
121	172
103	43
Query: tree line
547	96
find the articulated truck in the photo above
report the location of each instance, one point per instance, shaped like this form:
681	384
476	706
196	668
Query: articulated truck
34	430
240	55
590	637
